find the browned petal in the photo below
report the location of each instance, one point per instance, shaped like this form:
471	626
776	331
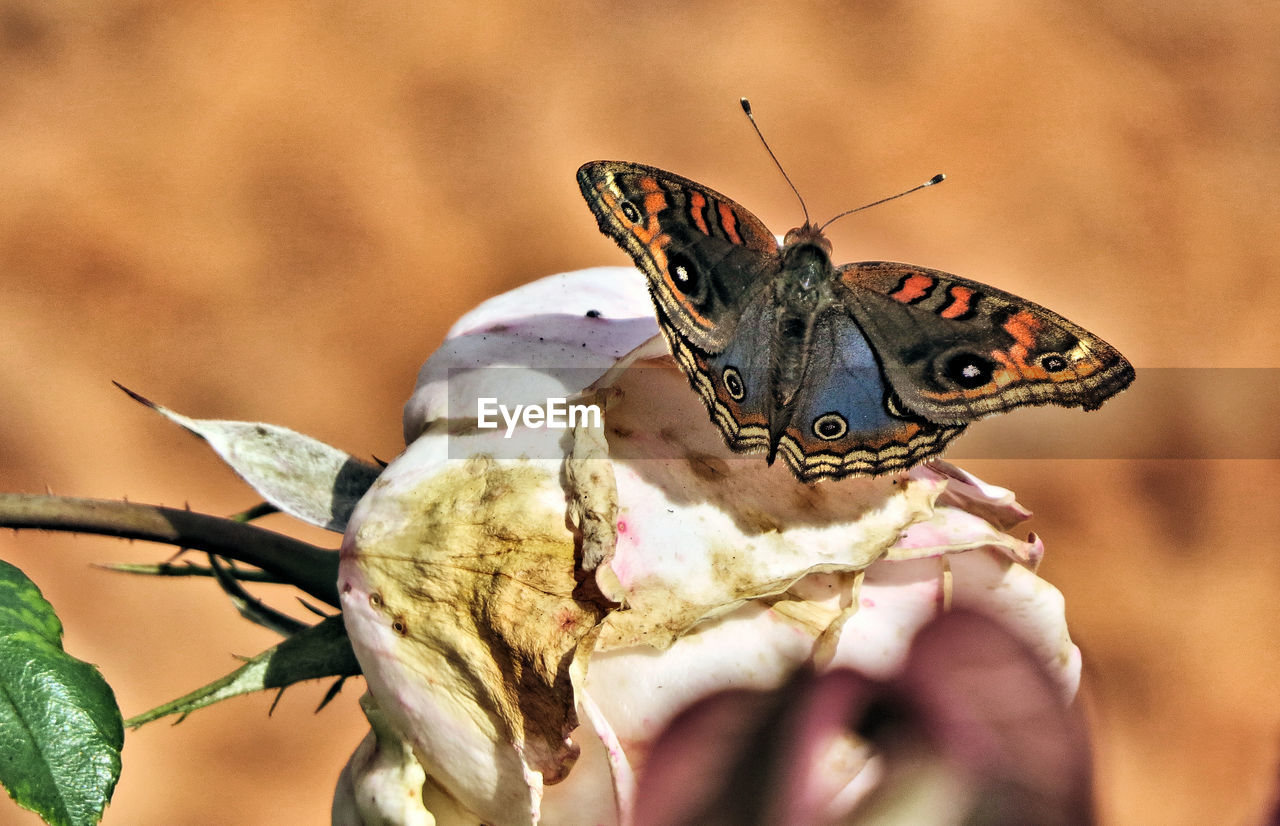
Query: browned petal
479	581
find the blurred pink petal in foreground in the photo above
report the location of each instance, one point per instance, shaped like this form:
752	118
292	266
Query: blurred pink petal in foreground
533	605
973	730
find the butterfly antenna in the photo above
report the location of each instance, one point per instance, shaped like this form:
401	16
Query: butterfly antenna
936	179
746	108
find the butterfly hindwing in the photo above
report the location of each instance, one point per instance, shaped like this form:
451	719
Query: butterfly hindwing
733	382
704	255
843	420
955	350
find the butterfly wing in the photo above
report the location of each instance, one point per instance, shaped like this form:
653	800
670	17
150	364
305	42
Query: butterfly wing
705	256
733	382
845	420
954	350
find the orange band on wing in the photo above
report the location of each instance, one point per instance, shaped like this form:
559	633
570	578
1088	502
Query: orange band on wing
696	204
961	302
729	223
655	200
1023	327
913	288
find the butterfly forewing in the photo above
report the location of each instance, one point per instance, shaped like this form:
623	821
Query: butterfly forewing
705	256
955	349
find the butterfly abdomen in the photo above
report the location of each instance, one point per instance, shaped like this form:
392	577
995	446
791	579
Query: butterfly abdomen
802	292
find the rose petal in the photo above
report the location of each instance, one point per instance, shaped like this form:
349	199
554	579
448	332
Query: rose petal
701	529
545	325
458	587
479	545
382	782
969	493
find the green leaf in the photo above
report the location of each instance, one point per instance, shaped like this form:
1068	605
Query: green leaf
321	650
302	476
60	729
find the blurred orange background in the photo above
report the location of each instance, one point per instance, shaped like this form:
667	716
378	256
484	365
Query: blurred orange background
273	212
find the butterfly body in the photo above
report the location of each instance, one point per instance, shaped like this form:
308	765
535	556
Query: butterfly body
859	369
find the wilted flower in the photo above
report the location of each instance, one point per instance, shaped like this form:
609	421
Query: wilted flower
531	605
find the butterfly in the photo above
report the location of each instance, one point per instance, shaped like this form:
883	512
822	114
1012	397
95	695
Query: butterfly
861	369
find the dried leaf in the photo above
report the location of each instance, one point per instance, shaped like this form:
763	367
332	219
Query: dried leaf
301	476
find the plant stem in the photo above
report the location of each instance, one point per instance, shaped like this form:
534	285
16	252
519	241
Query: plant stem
312	569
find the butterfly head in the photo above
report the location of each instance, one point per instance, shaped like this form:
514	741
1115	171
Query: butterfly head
806	258
807	234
